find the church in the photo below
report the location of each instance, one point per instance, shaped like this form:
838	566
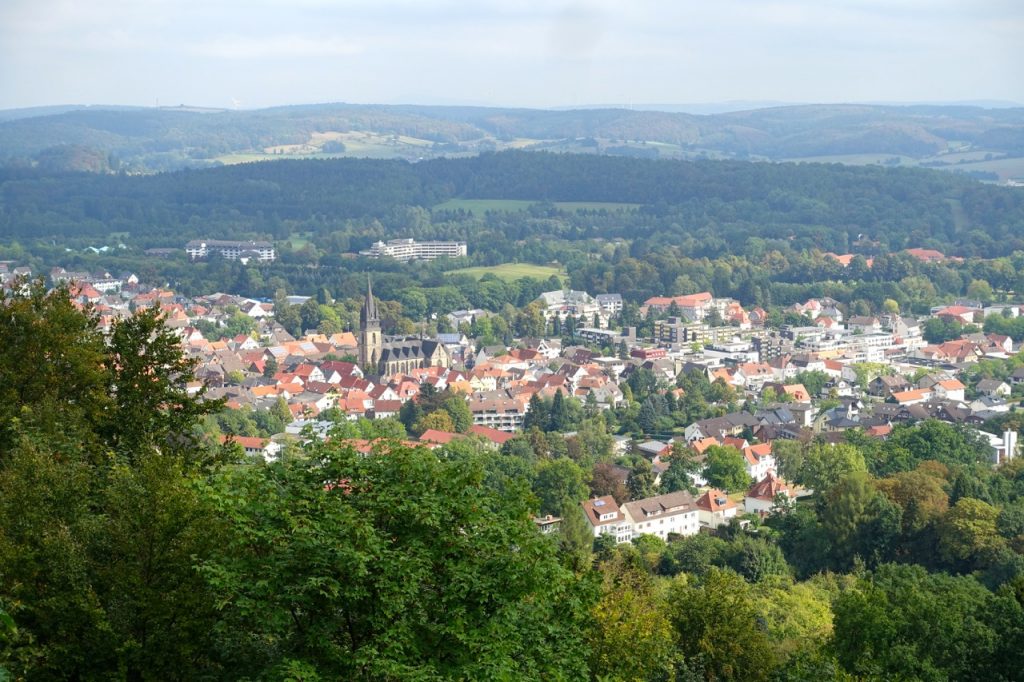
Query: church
397	354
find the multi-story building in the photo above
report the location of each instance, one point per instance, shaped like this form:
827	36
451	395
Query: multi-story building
231	250
675	513
410	249
498	410
606	518
611	304
563	304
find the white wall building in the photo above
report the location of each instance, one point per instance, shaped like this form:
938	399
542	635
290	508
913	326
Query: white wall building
410	249
231	250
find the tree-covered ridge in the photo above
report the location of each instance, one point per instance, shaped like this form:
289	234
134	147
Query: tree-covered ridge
896	207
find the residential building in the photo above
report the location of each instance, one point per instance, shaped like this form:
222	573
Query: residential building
231	250
763	496
605	518
674	513
410	249
714	509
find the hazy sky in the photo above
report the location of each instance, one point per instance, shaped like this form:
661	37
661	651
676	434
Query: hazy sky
252	53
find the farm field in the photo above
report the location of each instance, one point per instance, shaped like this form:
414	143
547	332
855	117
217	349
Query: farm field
512	271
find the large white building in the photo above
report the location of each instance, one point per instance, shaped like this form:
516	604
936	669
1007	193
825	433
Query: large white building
410	249
231	250
675	513
578	304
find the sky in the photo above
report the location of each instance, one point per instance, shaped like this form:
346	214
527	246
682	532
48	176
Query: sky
531	53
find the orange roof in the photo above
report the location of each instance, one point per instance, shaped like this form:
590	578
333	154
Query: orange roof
714	500
703	444
438	437
768	487
907	396
247	442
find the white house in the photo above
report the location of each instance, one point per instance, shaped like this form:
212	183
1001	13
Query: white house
714	509
672	513
605	518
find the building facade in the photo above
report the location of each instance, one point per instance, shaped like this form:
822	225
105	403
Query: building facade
231	250
410	249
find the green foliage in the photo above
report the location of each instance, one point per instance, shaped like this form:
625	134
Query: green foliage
904	623
53	371
716	620
681	466
630	636
438	420
825	464
726	468
560	486
148	383
335	576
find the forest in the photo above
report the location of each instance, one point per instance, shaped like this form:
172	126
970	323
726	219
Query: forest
757	232
134	547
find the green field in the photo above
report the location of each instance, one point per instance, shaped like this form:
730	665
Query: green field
512	271
483	205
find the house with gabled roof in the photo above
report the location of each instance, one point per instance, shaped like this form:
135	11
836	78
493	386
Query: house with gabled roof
663	515
714	509
605	518
762	497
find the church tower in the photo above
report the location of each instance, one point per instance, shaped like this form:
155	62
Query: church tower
370	342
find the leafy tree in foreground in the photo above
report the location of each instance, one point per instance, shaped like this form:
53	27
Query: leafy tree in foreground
903	623
716	623
401	566
99	515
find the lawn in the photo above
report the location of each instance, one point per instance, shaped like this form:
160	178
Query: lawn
512	271
483	205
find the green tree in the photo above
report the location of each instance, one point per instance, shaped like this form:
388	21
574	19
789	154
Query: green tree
825	464
148	382
902	623
630	636
458	409
726	468
717	625
681	468
333	577
640	482
560	486
309	313
53	374
438	421
968	532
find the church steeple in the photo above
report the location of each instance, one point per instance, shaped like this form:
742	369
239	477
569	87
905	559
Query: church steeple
368	313
370	342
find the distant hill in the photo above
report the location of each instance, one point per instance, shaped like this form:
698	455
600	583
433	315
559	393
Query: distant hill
987	143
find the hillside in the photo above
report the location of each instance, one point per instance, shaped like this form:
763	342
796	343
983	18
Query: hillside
988	143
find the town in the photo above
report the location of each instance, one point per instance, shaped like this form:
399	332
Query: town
716	387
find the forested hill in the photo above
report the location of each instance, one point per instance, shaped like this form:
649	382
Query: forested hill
969	139
895	207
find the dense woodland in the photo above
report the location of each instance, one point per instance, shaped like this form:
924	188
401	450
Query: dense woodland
134	547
